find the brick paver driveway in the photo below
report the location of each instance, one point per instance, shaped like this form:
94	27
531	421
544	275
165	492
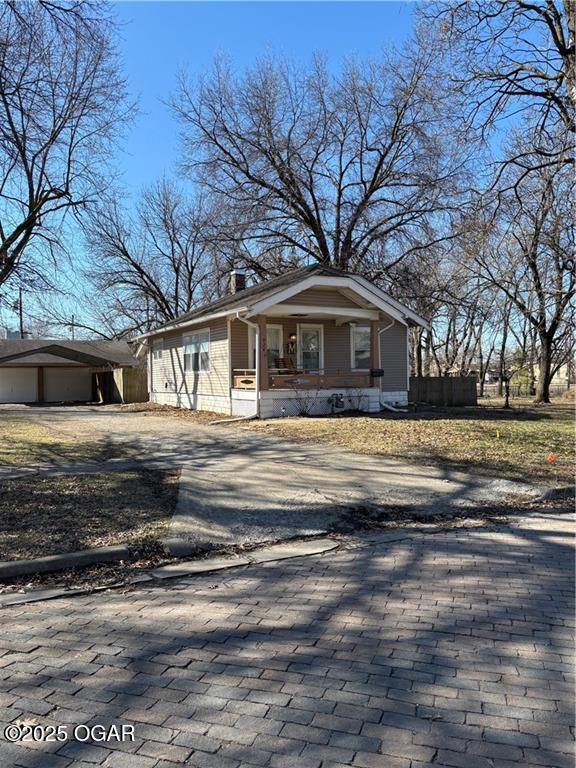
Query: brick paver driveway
443	649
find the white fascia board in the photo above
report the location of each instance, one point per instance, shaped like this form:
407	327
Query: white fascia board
371	294
408	313
187	323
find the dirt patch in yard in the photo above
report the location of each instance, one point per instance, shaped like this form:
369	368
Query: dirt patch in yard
153	409
65	513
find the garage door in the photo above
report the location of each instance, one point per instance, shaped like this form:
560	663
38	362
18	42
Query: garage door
67	384
18	385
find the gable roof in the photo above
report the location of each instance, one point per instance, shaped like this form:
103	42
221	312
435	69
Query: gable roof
259	293
95	353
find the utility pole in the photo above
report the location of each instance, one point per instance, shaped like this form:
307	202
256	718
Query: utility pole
72	327
20	312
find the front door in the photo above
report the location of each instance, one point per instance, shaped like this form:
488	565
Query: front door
311	348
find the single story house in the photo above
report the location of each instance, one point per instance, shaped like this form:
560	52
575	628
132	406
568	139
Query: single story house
59	370
315	340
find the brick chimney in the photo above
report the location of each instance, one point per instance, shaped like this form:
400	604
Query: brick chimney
237	281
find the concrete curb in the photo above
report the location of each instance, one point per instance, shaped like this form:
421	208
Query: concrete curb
12	568
291	549
179	570
183	548
193	567
253	557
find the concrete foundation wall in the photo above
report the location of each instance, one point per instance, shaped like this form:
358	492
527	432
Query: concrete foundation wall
277	403
196	402
395	398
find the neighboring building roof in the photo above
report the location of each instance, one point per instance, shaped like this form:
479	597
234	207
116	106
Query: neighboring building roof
94	352
259	292
40	358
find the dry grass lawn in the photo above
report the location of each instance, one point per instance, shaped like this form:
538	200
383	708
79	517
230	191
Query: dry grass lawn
64	513
23	441
487	440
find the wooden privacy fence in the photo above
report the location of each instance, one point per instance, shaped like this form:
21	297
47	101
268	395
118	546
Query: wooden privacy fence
443	390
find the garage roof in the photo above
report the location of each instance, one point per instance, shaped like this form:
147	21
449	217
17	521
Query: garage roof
94	353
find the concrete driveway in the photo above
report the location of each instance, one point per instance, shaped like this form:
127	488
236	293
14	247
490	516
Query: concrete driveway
451	650
238	486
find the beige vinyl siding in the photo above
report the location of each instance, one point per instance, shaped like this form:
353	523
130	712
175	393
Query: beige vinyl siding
239	345
323	297
336	347
394	357
168	375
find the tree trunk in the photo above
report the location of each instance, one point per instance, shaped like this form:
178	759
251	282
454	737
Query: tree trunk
480	373
532	373
545	361
502	371
417	352
507	393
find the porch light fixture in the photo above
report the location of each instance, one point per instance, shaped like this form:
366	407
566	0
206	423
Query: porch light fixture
292	337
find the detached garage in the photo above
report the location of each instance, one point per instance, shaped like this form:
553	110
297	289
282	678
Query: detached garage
55	371
18	385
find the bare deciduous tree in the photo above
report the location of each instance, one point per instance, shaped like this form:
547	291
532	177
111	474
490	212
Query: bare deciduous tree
155	265
61	103
530	260
510	58
350	170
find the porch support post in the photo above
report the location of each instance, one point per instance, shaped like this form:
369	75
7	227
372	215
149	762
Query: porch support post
262	352
374	324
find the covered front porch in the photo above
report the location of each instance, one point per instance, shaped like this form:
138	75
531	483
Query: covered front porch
316	360
323	347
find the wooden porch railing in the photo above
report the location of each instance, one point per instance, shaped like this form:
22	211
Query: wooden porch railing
245	378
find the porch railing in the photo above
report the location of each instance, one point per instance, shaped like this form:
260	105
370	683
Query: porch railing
245	378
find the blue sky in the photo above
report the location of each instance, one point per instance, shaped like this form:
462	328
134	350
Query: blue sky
161	38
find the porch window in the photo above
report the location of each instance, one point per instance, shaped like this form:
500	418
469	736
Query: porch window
157	347
360	339
273	343
197	352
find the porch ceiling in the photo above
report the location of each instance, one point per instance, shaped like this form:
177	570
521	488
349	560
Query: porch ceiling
305	311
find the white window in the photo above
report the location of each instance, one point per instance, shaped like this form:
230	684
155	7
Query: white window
360	342
311	347
197	352
157	347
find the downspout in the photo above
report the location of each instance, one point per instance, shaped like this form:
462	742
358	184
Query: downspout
256	413
386	406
